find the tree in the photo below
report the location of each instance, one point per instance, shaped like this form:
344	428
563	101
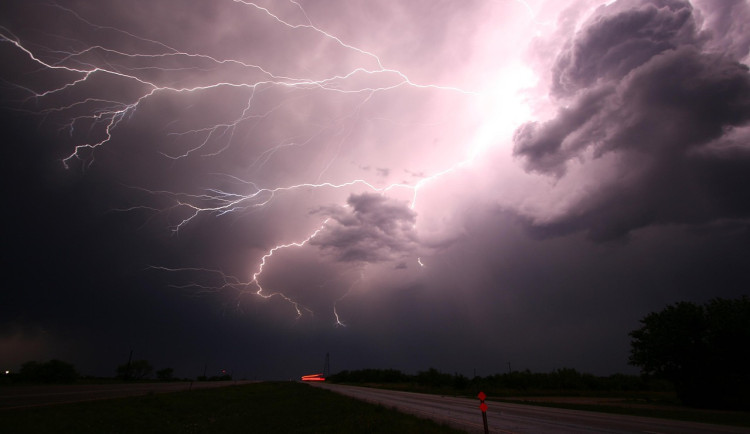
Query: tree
135	370
53	371
434	378
166	374
704	350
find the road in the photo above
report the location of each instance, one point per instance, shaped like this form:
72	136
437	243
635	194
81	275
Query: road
464	413
34	396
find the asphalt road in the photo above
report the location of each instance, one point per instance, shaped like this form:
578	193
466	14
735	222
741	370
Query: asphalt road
464	413
34	396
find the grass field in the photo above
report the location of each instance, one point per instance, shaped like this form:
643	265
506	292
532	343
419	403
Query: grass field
281	407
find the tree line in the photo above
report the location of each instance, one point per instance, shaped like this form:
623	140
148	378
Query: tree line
59	372
701	351
564	379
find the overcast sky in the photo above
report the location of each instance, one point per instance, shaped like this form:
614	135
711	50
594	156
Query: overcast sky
453	184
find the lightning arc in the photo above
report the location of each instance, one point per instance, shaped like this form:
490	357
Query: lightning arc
103	115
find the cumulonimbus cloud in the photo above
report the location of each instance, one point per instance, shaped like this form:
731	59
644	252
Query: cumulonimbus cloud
371	228
642	83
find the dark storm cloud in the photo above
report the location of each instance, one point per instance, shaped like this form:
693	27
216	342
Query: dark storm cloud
651	127
372	228
727	24
612	45
549	145
645	92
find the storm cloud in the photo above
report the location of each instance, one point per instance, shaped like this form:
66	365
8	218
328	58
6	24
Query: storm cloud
645	97
251	185
372	228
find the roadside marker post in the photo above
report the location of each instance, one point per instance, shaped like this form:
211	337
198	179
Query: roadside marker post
483	407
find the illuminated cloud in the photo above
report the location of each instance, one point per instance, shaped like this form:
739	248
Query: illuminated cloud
646	99
242	179
619	38
371	229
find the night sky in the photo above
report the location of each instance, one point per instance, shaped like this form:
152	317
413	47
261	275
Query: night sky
452	184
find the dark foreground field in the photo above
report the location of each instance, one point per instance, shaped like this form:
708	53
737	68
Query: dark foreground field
282	407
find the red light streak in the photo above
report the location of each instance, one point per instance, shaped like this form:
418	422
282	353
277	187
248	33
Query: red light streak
313	377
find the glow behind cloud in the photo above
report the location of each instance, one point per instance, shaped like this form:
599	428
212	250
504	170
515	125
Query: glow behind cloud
336	118
310	159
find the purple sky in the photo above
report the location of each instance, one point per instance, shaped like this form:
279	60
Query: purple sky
451	184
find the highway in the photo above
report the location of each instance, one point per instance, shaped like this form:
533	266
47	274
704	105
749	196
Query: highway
34	396
464	413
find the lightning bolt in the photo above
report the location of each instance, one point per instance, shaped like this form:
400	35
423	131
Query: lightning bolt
268	255
104	115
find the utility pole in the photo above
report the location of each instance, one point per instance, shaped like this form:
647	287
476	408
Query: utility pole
327	367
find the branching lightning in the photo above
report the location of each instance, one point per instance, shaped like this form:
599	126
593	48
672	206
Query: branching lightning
105	114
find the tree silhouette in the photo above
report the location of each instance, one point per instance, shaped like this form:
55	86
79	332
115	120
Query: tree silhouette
703	349
166	374
53	371
135	370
